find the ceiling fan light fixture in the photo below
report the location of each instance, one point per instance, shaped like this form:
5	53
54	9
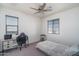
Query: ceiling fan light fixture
42	8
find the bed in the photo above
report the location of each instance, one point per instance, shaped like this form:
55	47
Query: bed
56	49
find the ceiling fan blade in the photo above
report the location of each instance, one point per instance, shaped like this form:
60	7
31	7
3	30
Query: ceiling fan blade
48	10
43	6
34	9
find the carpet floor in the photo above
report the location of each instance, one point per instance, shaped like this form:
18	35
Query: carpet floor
29	51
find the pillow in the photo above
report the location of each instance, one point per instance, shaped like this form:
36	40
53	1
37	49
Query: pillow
72	50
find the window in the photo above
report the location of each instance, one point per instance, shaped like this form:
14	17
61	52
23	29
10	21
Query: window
53	26
11	25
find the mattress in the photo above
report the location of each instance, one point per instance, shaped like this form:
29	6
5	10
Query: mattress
54	49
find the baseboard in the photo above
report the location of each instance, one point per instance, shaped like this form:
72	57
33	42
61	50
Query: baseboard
34	42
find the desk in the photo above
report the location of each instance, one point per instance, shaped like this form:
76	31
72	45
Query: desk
8	44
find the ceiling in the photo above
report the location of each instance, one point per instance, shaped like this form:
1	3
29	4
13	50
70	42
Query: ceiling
26	7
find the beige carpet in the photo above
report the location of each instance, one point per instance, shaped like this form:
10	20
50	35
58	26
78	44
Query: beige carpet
29	51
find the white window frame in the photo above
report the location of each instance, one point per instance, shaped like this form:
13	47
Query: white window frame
53	27
11	28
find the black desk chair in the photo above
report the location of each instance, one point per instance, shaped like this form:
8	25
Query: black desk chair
21	40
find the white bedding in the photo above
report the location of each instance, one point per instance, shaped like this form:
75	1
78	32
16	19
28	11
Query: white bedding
54	49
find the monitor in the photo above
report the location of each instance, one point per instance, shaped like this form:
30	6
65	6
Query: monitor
7	36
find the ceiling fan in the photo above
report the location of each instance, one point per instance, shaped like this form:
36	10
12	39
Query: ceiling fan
41	8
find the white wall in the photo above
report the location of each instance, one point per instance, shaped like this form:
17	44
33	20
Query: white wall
27	24
69	27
